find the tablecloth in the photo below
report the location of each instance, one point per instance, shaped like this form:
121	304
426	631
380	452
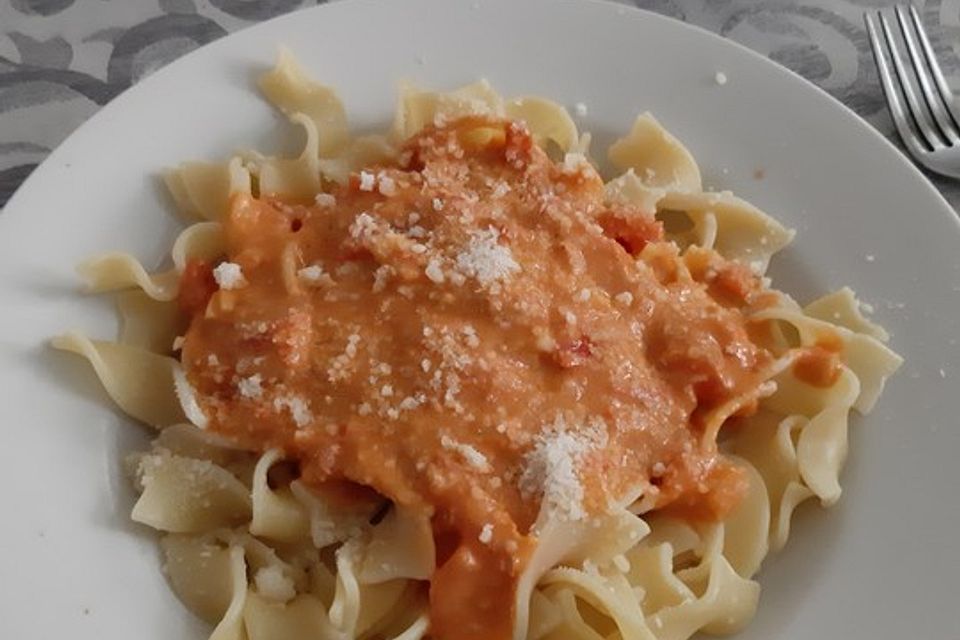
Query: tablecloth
61	60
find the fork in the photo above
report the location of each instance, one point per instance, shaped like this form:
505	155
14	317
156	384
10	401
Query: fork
928	124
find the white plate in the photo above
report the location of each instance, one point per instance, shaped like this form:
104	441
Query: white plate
882	564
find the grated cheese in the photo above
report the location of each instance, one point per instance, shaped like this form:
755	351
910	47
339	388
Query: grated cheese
573	162
325	200
550	467
251	387
367	181
298	408
386	186
486	534
485	259
364	225
625	298
471	336
380	277
348	268
409	403
433	271
229	275
314	276
340	366
273	585
720	78
470	455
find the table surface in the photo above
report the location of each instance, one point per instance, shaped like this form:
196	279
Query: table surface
61	60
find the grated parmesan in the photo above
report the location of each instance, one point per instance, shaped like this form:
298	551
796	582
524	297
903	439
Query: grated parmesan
573	162
314	276
380	277
433	271
367	181
485	259
340	365
386	186
325	200
229	275
486	534
251	387
470	333
470	455
298	408
409	403
273	585
550	467
364	225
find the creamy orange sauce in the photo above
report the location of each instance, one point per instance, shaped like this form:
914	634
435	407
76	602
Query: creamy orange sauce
422	335
820	365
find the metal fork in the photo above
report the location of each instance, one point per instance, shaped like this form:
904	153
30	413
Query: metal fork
928	123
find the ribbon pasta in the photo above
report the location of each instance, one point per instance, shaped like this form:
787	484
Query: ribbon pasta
259	555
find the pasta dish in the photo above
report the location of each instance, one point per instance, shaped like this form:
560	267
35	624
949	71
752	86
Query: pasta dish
448	382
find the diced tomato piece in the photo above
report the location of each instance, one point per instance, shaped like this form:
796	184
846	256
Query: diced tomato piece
633	233
197	286
736	280
573	354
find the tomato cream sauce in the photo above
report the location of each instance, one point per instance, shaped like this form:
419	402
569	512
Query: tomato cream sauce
443	329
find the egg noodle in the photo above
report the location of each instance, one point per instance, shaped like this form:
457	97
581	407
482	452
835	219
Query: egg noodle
522	428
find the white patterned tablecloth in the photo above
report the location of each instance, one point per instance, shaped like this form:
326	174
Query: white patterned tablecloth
61	60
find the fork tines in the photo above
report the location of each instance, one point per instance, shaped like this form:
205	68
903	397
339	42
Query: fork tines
920	100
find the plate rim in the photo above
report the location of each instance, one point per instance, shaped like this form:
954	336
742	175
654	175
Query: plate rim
38	174
119	103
